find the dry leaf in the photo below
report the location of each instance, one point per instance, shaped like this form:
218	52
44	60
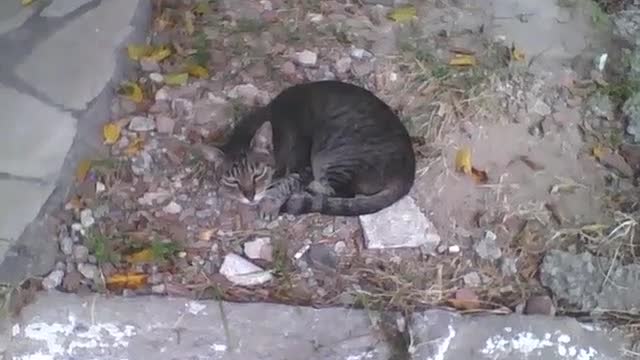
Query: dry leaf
463	160
188	22
142	256
137	52
480	176
599	151
135	147
82	170
127	281
516	54
111	133
205	235
132	91
159	54
465	299
463	60
178	79
197	71
26	2
403	14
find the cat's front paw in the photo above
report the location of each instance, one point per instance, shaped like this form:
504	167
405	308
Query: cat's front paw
269	209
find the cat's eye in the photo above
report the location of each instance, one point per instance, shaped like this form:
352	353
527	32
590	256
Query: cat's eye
260	173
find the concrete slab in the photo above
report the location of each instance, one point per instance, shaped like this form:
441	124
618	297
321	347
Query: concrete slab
443	335
21	202
60	8
400	225
96	327
80	56
35	137
13	15
5	244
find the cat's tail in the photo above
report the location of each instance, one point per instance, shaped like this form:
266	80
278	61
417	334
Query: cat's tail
361	205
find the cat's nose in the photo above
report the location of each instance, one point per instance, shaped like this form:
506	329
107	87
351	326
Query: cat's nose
249	194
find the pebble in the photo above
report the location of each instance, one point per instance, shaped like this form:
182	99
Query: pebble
159	289
80	253
260	248
377	14
165	124
360	54
340	247
362	69
541	108
487	248
162	95
149	65
141	123
88	270
141	163
454	249
321	255
288	68
240	271
172	208
472	279
617	162
66	245
248	94
306	58
343	65
86	218
100	187
53	280
156	77
71	281
539	305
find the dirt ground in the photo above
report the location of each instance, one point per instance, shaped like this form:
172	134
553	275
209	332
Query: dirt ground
146	217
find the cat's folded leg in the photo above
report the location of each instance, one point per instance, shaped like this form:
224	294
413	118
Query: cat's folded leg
278	194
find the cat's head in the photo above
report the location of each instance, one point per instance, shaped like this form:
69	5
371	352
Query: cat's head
246	175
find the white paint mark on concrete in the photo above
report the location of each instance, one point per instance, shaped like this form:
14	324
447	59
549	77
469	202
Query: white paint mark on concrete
508	329
219	347
363	356
15	330
527	343
443	345
195	307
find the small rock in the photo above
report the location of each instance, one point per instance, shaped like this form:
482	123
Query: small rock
314	18
617	162
631	110
53	280
340	247
600	105
149	65
323	256
159	289
360	54
487	248
343	65
306	58
509	266
454	249
631	154
89	271
100	187
260	248
219	111
66	245
172	208
248	94
377	14
80	253
141	124
242	272
86	218
472	279
362	69
156	77
141	164
288	68
72	281
165	124
541	108
539	305
162	95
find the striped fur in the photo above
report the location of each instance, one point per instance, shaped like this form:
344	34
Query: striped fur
345	147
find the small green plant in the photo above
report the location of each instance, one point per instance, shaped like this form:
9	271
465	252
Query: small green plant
201	45
162	250
100	246
246	25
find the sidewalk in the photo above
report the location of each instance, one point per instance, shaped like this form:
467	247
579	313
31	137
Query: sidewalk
56	64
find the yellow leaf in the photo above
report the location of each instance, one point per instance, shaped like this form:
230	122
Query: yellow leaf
135	147
197	71
517	55
111	133
137	52
132	91
176	79
82	170
188	22
202	8
599	151
142	256
127	281
160	54
463	60
463	160
403	14
26	2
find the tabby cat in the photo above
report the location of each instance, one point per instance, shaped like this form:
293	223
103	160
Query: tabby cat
327	146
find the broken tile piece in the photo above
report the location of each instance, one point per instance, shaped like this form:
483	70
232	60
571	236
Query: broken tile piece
240	271
399	225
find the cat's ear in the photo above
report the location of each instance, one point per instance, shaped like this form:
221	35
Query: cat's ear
263	139
211	154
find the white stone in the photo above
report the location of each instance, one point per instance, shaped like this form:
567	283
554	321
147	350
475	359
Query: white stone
59	8
360	54
172	208
80	253
141	123
454	249
165	124
156	77
340	247
20	203
35	137
162	95
89	271
399	225
81	56
306	58
242	272
248	94
343	65
66	245
100	187
260	248
156	196
86	218
53	280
